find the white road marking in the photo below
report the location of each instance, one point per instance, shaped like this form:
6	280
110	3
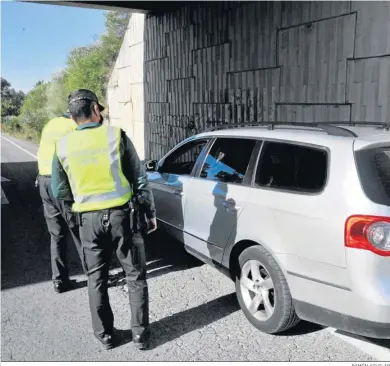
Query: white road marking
19	147
4	199
376	351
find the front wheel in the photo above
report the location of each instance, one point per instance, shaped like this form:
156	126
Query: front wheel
263	293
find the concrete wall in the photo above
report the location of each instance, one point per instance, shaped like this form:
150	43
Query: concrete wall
125	91
258	61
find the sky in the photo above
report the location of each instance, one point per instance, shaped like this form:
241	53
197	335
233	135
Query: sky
36	39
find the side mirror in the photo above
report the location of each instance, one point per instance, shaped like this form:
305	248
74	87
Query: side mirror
151	165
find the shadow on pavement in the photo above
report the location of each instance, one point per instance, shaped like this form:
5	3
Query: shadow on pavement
124	336
25	248
380	342
385	343
25	241
79	284
167	255
164	255
303	327
175	326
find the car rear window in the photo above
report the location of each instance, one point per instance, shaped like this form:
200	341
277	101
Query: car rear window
374	173
381	160
296	168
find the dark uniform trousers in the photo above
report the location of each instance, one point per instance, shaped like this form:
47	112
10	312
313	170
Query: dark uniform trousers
101	232
59	219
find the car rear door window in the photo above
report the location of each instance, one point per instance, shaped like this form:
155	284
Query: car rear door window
182	160
228	160
292	167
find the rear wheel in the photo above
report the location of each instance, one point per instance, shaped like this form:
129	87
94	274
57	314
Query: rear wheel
263	293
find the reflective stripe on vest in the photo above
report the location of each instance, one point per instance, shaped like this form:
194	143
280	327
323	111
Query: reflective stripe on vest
82	150
54	130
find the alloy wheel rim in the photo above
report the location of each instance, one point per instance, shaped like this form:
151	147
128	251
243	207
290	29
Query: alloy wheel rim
257	289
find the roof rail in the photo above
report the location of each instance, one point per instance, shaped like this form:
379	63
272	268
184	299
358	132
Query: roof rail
331	128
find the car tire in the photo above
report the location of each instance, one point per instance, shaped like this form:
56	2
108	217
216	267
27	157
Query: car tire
269	319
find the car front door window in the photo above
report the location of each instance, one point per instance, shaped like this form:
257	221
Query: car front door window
182	160
228	160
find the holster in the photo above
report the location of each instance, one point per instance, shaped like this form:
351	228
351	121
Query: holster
137	215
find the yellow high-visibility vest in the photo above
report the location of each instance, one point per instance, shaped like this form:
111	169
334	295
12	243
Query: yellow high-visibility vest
91	160
51	133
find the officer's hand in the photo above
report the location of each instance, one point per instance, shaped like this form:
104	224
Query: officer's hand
152	225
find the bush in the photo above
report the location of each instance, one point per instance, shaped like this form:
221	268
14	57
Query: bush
11	124
34	119
14	126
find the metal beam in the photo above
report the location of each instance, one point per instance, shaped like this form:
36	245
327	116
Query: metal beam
145	7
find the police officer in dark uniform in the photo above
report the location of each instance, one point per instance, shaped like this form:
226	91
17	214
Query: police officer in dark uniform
99	167
58	215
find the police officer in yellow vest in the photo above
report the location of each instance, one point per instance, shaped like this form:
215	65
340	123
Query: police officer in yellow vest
99	166
58	214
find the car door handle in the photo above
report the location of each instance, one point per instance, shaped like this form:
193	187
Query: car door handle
177	192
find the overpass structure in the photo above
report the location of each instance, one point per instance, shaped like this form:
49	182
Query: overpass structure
185	65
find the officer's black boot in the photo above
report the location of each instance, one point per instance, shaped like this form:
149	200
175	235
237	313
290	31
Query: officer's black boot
107	340
139	306
62	285
141	341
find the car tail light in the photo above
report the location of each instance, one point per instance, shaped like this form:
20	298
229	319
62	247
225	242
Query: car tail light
368	233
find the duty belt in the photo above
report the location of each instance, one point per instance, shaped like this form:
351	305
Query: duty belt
37	179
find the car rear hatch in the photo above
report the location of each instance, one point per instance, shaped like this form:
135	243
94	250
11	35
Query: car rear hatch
367	232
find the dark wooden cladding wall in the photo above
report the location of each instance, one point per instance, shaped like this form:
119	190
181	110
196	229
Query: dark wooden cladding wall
253	94
313	58
211	65
253	33
296	13
234	62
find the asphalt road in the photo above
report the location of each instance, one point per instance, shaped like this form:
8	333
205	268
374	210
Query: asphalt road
194	312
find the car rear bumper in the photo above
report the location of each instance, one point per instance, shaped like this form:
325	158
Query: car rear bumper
340	321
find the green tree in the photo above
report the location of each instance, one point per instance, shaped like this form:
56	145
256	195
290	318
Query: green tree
11	101
33	112
35	99
117	23
5	85
90	67
87	67
116	26
57	97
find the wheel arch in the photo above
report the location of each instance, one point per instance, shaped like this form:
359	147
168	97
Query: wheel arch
239	247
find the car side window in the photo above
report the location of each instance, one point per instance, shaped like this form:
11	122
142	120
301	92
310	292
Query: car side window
292	167
183	159
228	160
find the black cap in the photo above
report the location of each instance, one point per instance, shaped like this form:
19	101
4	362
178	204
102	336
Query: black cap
82	94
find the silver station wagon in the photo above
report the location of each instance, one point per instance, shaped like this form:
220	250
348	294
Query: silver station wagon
298	215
